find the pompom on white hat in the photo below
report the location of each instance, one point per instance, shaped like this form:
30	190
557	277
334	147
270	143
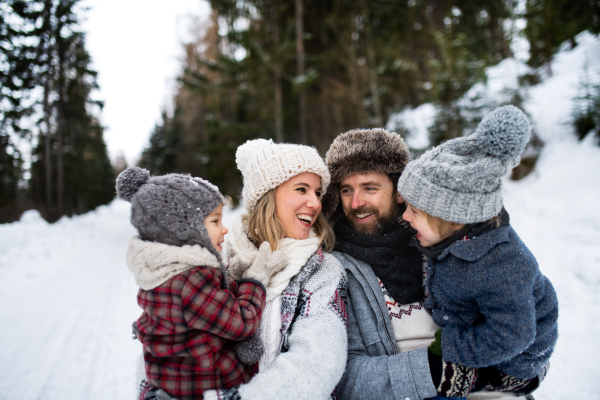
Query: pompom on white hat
265	165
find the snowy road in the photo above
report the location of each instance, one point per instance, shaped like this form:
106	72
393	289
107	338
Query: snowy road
67	305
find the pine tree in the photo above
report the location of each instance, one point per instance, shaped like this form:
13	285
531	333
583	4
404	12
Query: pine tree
160	157
18	61
552	22
71	173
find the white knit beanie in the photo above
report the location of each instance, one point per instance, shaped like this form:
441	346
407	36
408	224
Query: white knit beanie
265	165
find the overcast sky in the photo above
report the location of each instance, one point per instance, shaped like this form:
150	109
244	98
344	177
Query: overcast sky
136	48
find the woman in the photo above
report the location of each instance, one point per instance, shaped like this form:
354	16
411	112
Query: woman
303	327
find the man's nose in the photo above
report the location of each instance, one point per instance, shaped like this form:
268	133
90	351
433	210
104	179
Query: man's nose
357	201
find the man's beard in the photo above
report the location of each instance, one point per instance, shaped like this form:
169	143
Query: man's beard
382	221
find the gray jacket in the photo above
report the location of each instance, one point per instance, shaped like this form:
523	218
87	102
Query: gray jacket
376	369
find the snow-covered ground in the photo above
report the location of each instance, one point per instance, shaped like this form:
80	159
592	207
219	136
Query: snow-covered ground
68	300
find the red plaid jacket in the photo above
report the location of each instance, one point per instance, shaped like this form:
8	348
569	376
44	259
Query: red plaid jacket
189	329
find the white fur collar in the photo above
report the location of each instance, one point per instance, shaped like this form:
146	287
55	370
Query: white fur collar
298	252
153	264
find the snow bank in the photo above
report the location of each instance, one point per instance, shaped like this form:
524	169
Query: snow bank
556	213
550	103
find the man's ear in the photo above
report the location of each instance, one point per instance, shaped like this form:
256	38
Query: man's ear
400	199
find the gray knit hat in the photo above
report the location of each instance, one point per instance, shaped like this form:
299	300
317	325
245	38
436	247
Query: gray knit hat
361	150
171	208
461	179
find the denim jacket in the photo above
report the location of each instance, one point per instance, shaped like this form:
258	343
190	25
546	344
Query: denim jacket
496	307
376	369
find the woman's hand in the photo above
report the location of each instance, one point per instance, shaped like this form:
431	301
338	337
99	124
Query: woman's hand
266	264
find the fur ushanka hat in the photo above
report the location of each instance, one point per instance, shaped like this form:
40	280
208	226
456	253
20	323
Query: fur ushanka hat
169	209
461	179
361	150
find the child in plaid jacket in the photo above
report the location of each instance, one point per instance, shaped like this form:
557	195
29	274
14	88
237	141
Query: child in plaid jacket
199	326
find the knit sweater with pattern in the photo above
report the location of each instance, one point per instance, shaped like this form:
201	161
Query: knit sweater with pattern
313	350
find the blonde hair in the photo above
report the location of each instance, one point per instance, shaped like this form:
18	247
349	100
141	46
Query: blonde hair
446	228
263	225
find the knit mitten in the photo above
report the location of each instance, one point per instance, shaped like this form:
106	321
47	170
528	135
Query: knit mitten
249	351
451	379
266	264
151	392
240	263
492	379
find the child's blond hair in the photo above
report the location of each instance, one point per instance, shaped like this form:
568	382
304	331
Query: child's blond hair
446	228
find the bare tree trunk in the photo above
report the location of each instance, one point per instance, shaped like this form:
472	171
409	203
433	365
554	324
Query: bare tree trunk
278	106
373	80
277	78
45	51
59	136
47	161
300	71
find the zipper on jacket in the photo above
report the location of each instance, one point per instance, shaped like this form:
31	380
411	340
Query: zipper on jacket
379	308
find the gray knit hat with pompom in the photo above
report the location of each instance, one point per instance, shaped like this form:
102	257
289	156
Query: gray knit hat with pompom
461	179
169	209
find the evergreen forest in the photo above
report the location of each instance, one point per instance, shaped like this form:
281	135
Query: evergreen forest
300	71
304	71
45	99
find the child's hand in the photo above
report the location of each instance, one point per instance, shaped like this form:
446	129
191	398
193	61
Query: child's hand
266	264
241	263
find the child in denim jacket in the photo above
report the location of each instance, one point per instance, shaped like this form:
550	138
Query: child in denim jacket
497	310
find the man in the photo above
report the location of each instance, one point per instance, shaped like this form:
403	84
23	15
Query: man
385	274
389	330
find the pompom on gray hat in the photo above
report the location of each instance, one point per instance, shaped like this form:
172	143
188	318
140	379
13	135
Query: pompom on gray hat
169	209
362	150
461	179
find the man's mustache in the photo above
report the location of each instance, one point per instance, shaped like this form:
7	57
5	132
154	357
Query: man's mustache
364	210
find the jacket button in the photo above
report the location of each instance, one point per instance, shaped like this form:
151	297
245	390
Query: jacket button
445	317
407	398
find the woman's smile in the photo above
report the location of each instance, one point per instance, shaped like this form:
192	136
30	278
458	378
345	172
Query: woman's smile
298	204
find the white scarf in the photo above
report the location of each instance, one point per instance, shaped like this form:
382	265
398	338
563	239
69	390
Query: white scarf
153	263
297	251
